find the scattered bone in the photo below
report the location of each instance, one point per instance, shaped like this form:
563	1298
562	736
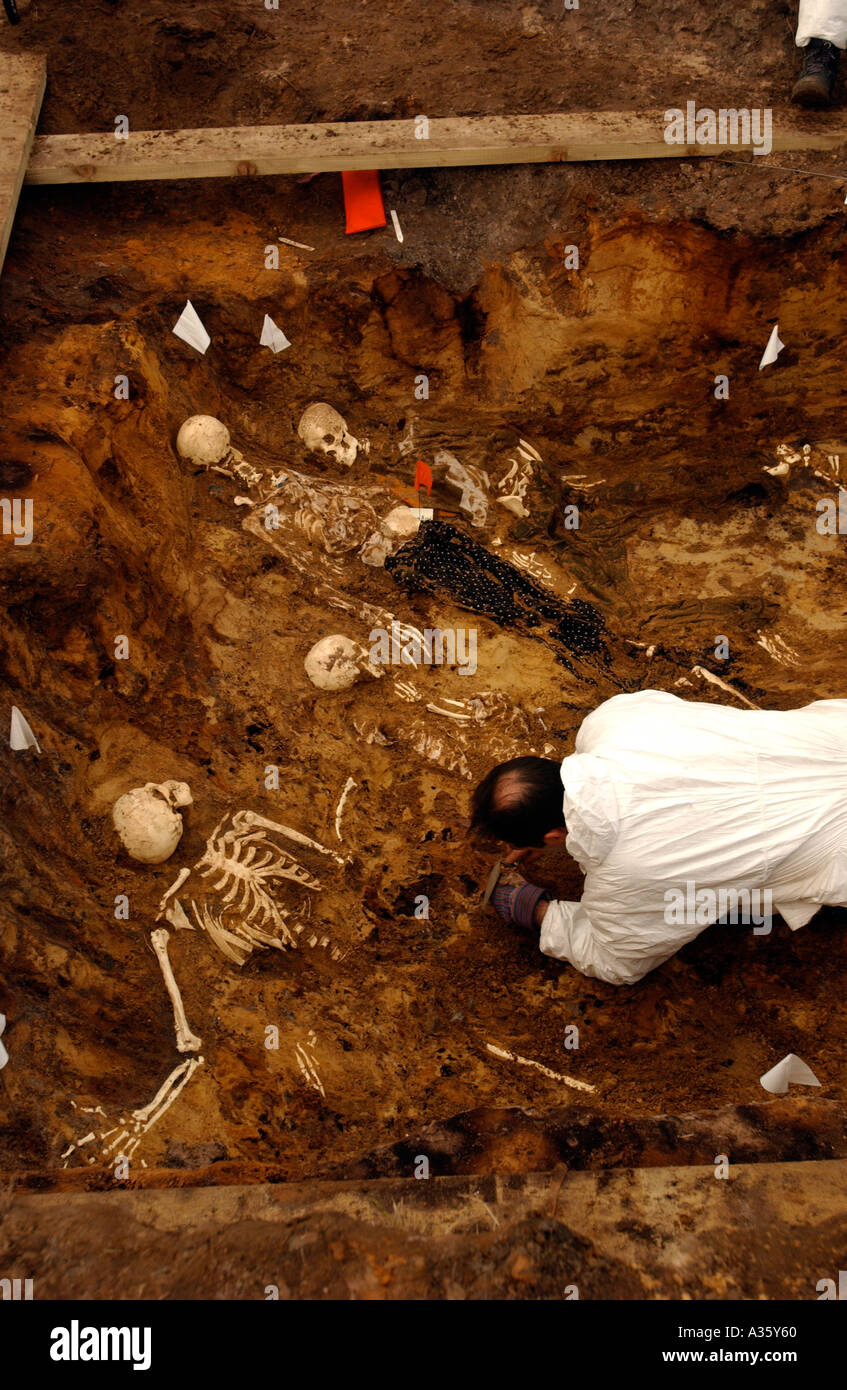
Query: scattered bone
167	1093
577	482
334	516
186	1041
371	733
516	482
325	432
175	914
533	567
174	888
469	481
437	751
137	1125
778	649
301	245
124	1134
828	467
716	680
307	1063
397	229
450	713
545	1071
348	787
406	691
513	504
533	453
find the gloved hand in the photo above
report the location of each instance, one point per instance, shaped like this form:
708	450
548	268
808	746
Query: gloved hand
515	901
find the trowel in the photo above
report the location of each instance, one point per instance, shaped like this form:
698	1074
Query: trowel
492	882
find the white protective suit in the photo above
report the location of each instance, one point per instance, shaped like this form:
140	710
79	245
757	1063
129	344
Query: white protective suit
663	792
822	19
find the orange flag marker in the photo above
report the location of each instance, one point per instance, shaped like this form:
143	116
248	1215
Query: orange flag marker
423	476
363	205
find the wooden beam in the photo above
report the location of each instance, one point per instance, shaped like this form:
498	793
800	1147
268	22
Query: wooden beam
463	140
22	81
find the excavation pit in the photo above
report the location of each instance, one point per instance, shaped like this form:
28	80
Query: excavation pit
608	373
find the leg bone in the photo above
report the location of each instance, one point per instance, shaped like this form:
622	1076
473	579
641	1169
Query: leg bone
186	1041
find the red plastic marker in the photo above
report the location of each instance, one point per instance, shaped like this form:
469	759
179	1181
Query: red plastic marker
423	477
363	205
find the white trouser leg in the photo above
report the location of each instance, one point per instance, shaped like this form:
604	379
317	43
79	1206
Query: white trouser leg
822	19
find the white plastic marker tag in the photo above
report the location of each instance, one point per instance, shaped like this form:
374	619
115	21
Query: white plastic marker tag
492	883
397	231
423	513
273	337
190	329
773	349
789	1069
20	734
4	1056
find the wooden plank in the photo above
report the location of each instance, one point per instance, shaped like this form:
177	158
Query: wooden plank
22	81
302	149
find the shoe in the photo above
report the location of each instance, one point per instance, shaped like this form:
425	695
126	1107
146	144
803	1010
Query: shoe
813	87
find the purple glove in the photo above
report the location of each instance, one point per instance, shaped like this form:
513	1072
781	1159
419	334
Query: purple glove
517	903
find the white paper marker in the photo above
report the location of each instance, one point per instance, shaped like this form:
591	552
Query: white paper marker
789	1069
273	337
773	349
4	1056
190	329
396	221
20	734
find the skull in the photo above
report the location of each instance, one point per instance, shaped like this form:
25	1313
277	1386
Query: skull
336	663
146	821
205	441
323	431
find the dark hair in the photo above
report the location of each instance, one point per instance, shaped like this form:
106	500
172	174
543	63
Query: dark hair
519	801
